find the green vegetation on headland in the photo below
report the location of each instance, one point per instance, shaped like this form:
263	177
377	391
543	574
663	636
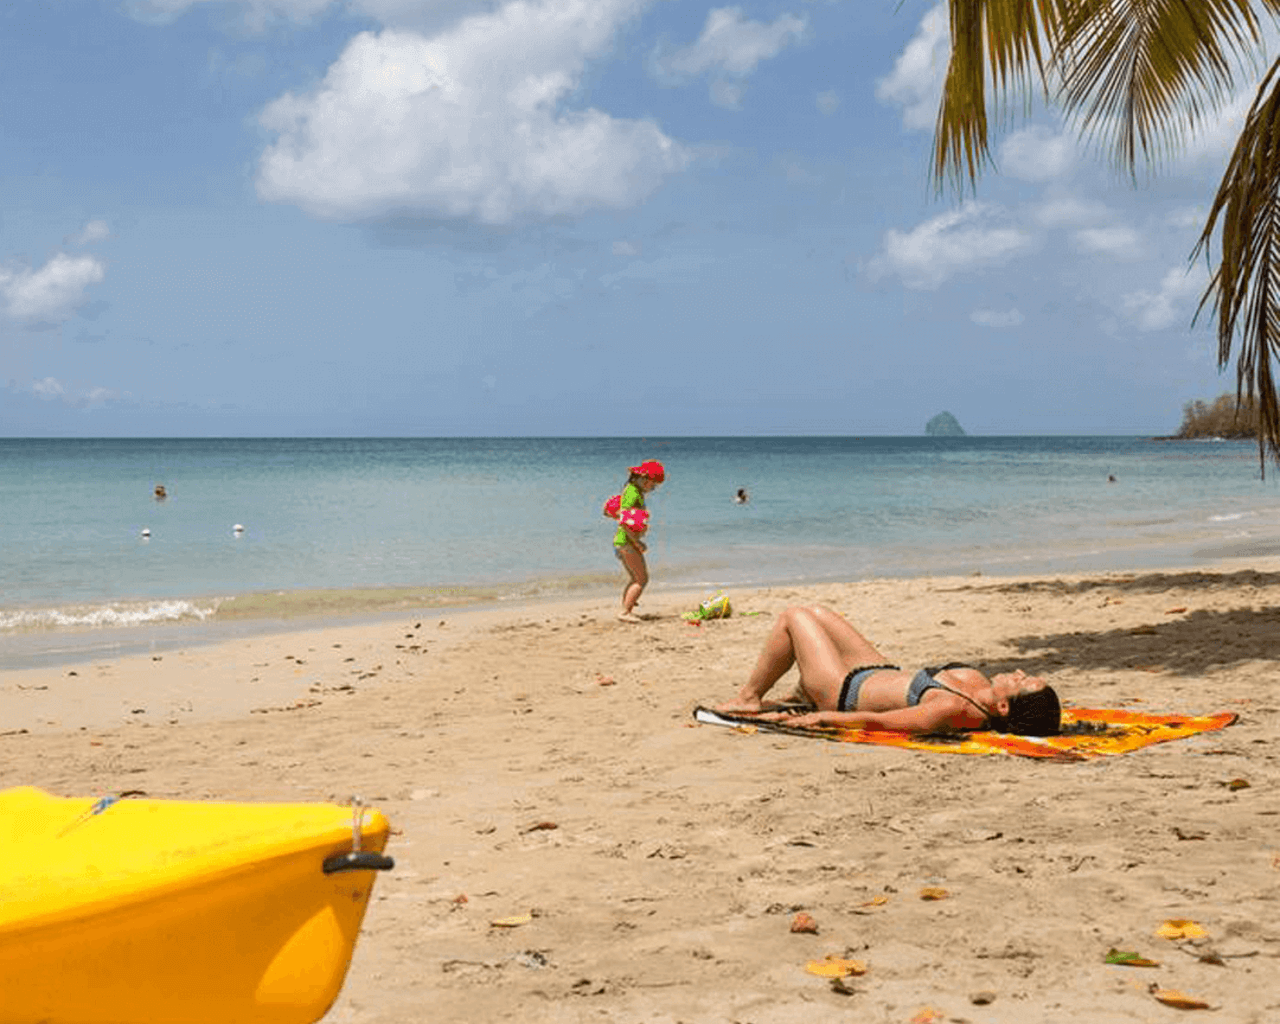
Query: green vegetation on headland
1226	416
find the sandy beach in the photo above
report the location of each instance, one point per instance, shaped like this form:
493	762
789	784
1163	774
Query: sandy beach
541	760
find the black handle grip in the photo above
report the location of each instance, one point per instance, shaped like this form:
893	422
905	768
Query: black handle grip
352	861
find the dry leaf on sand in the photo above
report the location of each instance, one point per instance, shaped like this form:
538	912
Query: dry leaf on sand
928	1016
835	967
1180	1000
512	922
802	922
1123	959
933	892
871	904
1180	928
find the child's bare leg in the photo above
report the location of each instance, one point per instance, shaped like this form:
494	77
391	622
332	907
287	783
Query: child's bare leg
633	560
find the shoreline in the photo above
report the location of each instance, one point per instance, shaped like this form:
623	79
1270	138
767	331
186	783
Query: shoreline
540	761
209	620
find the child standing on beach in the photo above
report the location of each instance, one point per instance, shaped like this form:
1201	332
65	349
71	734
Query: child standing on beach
627	544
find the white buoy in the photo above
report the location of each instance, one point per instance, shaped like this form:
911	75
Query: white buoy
237	528
146	532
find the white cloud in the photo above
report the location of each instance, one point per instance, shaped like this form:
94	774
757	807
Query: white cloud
1187	217
469	124
1214	139
915	84
624	248
422	15
50	389
47	388
1120	242
257	13
733	45
93	231
1175	300
52	293
954	242
828	102
730	47
1037	154
1068	212
727	94
675	269
997	318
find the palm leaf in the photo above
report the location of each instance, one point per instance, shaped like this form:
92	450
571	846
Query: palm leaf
1138	75
1244	290
1008	33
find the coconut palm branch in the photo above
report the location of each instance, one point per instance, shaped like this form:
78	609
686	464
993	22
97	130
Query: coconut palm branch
1136	77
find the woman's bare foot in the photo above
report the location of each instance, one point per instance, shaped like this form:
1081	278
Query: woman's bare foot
629	617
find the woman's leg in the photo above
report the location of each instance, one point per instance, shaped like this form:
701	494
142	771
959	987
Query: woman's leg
820	643
855	649
633	561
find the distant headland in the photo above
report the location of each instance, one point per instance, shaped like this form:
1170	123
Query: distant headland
1224	417
944	425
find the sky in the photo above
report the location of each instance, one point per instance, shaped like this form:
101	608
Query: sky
564	217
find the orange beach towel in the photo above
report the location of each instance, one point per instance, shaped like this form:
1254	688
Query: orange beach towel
1107	731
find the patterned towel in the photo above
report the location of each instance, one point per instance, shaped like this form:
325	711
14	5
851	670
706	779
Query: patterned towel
1100	732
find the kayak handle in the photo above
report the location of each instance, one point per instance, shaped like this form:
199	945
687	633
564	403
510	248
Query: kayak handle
356	860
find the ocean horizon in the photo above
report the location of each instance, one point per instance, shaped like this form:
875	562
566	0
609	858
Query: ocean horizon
363	527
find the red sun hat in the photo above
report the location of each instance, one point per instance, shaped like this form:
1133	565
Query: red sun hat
651	468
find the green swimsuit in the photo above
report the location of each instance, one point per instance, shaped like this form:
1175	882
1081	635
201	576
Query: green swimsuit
632	497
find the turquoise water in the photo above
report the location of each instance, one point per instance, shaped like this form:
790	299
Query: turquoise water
359	526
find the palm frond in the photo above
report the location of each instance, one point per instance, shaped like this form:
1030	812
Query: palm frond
1138	75
1244	291
1010	35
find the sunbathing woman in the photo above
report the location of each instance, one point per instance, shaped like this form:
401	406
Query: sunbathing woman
846	680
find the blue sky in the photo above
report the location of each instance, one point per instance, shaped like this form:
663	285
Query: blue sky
578	217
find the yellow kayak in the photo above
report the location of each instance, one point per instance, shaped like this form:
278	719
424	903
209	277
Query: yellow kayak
139	911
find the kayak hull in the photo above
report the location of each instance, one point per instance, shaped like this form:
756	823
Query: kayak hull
159	912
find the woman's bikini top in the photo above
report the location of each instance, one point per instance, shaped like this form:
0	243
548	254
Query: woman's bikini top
923	681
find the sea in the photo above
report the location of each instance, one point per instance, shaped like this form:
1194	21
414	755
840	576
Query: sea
260	534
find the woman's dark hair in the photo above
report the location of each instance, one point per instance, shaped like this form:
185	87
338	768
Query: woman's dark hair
1032	713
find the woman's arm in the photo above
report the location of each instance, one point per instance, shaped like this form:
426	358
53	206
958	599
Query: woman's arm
932	716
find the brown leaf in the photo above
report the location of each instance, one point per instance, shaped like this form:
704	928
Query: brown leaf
542	826
1176	611
835	967
871	904
933	892
802	922
604	680
512	922
928	1016
1180	928
1238	784
1172	997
